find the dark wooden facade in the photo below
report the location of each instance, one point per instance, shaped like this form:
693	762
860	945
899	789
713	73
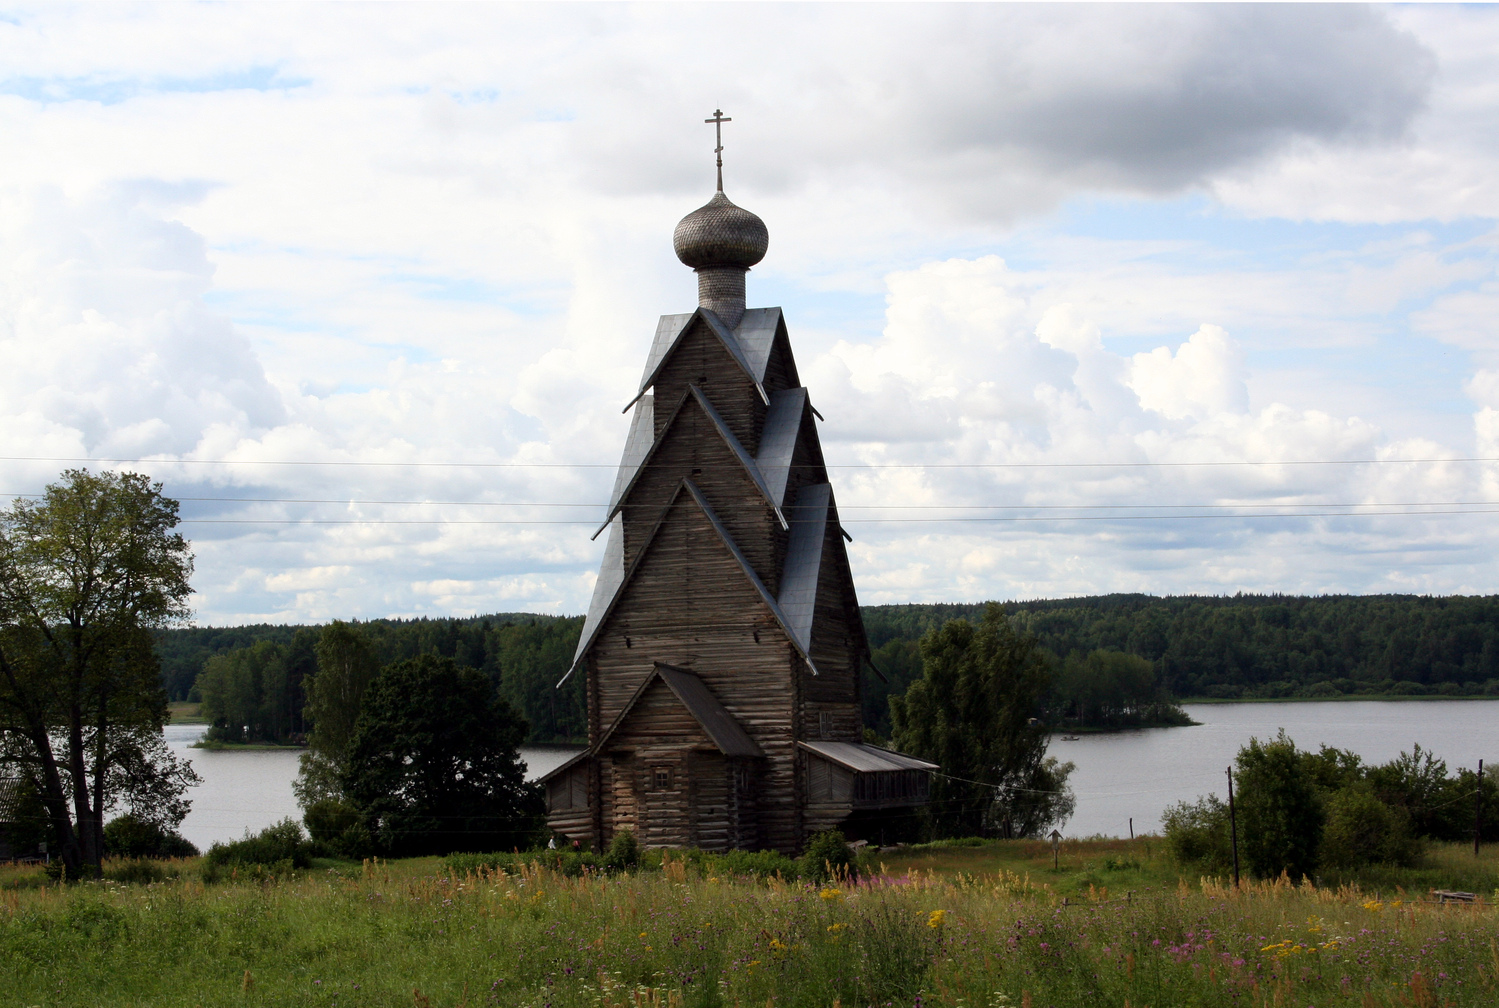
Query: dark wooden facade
723	645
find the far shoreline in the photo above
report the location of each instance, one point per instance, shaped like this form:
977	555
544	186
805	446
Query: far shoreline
1345	698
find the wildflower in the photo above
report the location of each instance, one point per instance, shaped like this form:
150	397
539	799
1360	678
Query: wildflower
1374	905
835	928
935	919
831	895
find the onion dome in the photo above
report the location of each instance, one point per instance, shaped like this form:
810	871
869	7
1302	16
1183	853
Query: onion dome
720	234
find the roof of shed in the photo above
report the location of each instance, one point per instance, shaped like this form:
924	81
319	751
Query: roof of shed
863	758
10	797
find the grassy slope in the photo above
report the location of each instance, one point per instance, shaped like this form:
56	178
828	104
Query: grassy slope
979	927
183	712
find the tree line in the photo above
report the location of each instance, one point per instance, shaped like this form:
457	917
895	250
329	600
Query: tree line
1117	660
1231	647
252	682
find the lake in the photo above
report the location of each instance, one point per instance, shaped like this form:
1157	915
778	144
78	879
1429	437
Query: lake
1119	776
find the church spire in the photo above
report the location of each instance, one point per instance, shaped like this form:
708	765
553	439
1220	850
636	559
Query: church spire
721	241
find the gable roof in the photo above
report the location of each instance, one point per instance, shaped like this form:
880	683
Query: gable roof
591	627
750	344
563	767
694	394
756	334
721	727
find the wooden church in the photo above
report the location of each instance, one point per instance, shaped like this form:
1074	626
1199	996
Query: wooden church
723	645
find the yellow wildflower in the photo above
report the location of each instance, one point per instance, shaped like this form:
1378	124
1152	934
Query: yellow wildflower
936	918
831	895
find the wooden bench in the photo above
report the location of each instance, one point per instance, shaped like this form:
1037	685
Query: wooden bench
1449	896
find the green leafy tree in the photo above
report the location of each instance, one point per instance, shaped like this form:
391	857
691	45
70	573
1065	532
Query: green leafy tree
87	572
1279	809
1107	688
133	837
972	713
1417	784
1197	832
1360	829
433	766
623	852
827	856
346	665
250	694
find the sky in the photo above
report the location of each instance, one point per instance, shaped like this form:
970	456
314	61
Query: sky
1163	298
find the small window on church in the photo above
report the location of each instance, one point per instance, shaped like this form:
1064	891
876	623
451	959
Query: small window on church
663	778
824	724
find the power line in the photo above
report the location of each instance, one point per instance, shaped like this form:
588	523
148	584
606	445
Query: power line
841	507
870	465
993	519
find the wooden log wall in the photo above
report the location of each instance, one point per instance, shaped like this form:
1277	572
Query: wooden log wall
692	448
702	360
731	642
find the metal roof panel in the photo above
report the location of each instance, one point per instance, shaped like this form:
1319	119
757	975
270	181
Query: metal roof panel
637	446
863	758
783	423
803	565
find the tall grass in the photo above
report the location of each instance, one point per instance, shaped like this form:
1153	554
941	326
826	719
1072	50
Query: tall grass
413	934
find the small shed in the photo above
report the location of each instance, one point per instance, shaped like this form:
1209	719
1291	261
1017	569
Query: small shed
857	786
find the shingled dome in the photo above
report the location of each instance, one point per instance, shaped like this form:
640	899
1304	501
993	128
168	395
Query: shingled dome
721	234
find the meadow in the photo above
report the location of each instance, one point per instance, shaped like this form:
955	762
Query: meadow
988	925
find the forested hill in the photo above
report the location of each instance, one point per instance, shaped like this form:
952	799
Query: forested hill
1258	645
524	653
1252	646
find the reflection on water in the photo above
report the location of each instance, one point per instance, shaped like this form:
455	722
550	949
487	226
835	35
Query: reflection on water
1119	776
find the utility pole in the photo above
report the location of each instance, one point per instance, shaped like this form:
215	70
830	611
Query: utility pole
1233	824
1131	828
1478	811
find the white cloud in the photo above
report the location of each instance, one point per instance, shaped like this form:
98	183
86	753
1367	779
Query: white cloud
1205	377
409	234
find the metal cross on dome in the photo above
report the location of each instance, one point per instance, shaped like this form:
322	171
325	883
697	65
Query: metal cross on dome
718	120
